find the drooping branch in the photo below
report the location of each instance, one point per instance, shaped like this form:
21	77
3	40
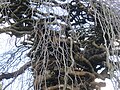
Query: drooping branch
16	73
14	32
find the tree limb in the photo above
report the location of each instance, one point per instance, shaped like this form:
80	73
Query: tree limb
16	73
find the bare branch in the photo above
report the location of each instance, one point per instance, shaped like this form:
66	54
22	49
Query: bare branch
16	73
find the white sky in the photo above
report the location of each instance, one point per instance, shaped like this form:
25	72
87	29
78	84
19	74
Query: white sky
109	85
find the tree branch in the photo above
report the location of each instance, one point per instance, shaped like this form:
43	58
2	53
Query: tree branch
16	73
8	29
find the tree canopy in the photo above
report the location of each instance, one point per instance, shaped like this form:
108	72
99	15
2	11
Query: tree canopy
67	43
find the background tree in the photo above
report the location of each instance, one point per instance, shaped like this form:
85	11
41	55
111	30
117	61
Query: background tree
0	86
67	42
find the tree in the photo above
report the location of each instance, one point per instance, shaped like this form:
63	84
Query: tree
67	50
0	86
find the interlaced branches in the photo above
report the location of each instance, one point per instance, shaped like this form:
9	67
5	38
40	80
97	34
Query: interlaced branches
66	49
109	22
